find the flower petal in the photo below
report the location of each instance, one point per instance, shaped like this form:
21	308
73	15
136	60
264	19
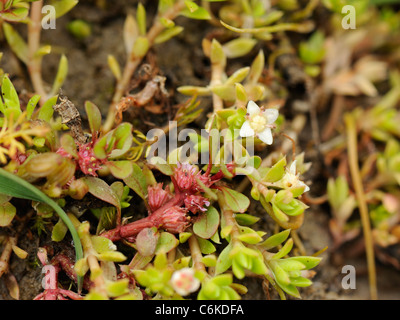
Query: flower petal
292	168
252	108
246	130
306	187
271	115
266	136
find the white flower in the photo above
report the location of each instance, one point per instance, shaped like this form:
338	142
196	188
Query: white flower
184	282
259	122
291	179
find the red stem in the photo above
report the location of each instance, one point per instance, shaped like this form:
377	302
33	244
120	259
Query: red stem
153	220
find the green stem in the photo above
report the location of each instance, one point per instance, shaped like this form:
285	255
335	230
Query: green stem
35	63
196	253
362	204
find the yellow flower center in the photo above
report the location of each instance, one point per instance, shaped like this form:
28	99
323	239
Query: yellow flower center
258	123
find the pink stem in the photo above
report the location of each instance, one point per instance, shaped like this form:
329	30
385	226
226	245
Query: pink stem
68	266
70	294
153	220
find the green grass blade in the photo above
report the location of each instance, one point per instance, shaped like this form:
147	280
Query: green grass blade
14	186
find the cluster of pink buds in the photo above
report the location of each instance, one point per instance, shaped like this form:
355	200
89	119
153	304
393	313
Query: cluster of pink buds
168	211
174	219
86	159
196	203
157	196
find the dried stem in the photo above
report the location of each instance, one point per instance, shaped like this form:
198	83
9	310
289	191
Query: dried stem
133	62
35	62
362	203
6	254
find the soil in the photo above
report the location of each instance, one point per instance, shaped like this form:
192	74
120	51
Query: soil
182	61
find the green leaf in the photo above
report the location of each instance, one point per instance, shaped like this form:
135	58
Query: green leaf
102	244
68	144
4	198
120	169
146	241
251	238
313	51
79	28
130	33
209	260
59	231
206	246
224	261
224	91
7	214
238	76
114	66
123	136
114	256
301	282
160	164
19	188
276	172
309	261
30	107
199	14
284	250
115	143
245	219
217	54
11	99
192	6
137	181
168	34
46	111
281	275
42	51
140	47
107	218
117	288
194	91
184	236
238	47
101	190
94	116
256	68
16	13
236	201
141	19
166	243
16	42
275	240
291	265
61	75
63	6
207	224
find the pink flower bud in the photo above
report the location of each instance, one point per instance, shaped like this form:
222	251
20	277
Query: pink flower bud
185	176
196	203
157	196
174	219
87	161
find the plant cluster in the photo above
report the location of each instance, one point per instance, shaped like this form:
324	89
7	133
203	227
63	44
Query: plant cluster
196	233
